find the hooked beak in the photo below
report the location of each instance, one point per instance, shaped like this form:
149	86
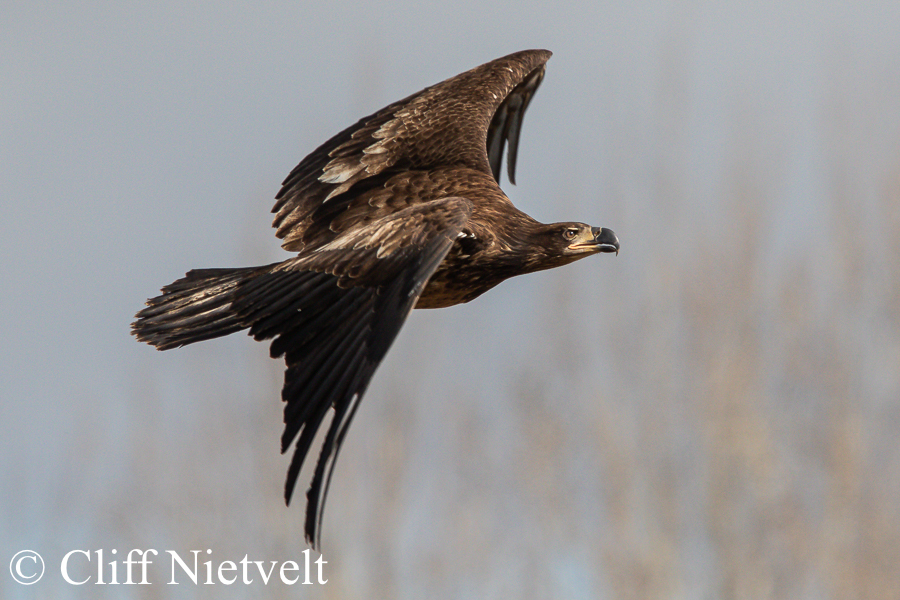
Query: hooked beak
604	241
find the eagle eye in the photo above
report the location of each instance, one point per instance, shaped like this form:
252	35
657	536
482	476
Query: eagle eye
570	233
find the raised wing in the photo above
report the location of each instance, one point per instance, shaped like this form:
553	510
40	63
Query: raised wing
334	313
464	121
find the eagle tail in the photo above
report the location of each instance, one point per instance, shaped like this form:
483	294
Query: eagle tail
197	307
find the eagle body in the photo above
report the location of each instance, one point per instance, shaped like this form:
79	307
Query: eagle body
401	210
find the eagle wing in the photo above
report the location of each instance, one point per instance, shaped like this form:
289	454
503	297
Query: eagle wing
338	310
465	120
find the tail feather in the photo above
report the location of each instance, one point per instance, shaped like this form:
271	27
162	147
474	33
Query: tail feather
194	308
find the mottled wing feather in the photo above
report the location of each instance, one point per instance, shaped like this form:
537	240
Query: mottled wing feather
339	309
332	168
445	124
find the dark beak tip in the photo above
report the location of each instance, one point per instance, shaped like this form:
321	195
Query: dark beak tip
607	240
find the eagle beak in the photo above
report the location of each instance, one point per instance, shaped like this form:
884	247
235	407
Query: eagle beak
605	240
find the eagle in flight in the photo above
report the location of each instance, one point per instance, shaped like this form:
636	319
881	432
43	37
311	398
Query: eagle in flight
402	210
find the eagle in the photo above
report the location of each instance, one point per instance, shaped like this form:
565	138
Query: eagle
401	210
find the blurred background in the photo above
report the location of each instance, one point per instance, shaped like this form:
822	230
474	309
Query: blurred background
711	414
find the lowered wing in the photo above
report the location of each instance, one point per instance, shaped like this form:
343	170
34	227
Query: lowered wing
334	313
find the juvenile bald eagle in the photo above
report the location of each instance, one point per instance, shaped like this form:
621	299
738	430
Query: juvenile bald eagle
402	210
